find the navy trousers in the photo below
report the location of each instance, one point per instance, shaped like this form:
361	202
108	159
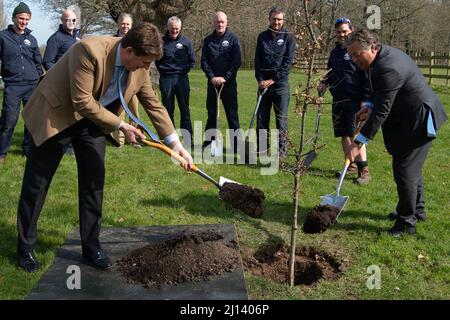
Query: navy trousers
277	95
230	104
176	85
13	96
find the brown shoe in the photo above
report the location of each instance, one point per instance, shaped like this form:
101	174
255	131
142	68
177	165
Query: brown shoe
363	176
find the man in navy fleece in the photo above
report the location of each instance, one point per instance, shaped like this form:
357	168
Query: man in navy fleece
274	55
21	69
221	59
173	67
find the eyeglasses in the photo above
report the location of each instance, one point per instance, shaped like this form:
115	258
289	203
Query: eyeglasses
355	54
342	20
70	20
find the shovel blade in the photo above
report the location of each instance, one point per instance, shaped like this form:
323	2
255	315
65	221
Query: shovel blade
335	201
223	180
309	159
216	148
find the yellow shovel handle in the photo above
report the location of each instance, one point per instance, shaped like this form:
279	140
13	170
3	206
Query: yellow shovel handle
168	151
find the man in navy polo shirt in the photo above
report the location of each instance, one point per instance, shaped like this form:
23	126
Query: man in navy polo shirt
221	59
21	69
60	42
173	67
275	51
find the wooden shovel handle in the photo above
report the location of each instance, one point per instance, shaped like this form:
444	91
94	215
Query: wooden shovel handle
168	151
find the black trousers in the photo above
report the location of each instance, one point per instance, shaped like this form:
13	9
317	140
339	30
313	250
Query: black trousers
407	169
89	146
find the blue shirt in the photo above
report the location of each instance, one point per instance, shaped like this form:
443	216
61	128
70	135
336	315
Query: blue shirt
20	57
179	56
58	44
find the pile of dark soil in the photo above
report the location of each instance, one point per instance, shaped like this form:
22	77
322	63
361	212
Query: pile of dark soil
247	199
188	257
320	218
311	265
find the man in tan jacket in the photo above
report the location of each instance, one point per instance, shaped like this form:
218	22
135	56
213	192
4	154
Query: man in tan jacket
78	102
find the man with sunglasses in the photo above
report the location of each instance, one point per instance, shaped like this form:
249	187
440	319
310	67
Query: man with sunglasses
60	42
348	86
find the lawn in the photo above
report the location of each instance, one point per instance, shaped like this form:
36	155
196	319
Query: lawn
144	188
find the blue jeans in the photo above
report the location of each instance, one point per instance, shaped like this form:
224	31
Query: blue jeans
278	96
13	96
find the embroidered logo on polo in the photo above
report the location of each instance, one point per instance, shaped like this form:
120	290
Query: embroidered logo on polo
280	42
27	42
225	43
179	45
346	57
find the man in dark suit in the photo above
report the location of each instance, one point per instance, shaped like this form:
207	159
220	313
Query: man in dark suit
78	102
409	113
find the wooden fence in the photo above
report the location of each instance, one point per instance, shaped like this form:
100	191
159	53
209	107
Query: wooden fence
434	66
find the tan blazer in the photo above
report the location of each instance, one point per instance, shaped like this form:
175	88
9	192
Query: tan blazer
72	88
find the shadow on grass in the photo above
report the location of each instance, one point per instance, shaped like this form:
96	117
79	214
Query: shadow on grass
8	238
280	212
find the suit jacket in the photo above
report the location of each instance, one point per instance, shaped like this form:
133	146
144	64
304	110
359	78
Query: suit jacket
71	90
402	102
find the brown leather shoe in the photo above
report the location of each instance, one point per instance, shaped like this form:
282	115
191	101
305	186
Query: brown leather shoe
363	176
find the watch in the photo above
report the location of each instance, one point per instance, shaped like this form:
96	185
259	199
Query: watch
358	143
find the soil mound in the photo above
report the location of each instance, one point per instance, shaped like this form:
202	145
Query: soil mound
188	257
320	218
247	199
311	265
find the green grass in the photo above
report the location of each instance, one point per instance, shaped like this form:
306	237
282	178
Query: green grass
144	188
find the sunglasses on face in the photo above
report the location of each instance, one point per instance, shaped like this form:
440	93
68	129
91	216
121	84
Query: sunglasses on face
70	20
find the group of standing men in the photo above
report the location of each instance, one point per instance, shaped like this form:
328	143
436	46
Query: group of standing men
220	61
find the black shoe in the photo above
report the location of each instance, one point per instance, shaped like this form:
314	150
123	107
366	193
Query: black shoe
400	227
394	216
98	259
28	262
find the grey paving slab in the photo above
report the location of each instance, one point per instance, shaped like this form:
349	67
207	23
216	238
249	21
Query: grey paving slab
118	242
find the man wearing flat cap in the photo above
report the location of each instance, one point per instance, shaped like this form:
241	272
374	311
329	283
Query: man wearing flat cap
21	69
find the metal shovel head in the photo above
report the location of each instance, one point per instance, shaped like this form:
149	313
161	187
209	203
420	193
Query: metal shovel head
310	157
335	201
216	148
223	180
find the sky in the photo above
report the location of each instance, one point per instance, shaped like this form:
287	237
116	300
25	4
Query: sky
42	23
